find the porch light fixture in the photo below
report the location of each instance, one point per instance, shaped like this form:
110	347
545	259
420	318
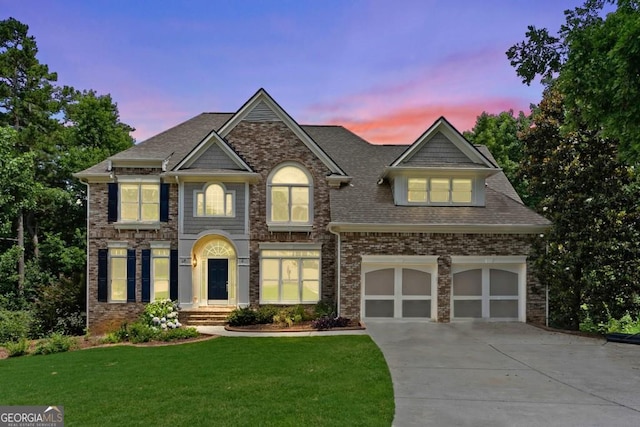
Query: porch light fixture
194	261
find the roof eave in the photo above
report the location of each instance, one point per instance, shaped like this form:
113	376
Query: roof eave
440	228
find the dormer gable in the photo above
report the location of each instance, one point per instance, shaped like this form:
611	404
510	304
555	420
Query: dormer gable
261	107
441	168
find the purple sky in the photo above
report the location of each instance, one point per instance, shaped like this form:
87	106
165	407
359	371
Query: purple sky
384	69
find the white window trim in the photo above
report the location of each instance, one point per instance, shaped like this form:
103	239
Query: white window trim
225	192
291	247
450	202
139	224
515	264
424	263
121	246
290	225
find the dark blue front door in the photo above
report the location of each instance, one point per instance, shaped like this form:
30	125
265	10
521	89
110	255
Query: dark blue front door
218	276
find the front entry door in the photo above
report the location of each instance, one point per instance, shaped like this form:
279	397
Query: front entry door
218	270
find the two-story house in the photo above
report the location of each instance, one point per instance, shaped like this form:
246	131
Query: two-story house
250	208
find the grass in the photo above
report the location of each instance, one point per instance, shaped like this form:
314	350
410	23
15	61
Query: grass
311	381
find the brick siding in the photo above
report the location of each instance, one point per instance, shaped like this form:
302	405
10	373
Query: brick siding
354	245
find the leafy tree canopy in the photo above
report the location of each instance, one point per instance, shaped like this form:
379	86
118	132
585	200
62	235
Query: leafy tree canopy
596	62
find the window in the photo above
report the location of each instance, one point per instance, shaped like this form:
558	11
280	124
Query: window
118	275
289	276
214	200
139	202
160	273
439	190
289	196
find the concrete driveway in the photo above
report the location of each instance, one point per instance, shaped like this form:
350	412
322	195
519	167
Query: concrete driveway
507	374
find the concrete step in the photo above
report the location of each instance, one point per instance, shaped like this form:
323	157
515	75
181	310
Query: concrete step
205	316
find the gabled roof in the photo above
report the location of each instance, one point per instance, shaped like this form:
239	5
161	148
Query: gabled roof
213	139
262	107
469	156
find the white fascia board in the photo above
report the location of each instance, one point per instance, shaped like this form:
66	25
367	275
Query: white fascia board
231	176
262	95
94	177
442	125
208	141
439	228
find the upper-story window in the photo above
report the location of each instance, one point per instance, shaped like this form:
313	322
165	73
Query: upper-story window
214	200
289	195
439	190
140	202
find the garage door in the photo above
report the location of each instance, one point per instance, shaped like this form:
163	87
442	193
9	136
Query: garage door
488	292
398	291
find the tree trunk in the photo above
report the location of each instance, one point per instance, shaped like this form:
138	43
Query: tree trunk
21	258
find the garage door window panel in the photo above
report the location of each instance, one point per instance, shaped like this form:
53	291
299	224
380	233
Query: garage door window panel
415	282
380	282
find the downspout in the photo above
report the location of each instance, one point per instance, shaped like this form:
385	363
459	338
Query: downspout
338	281
87	267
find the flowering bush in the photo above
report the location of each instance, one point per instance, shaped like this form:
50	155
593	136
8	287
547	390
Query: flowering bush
162	314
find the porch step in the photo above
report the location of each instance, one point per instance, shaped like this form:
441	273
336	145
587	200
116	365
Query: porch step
204	316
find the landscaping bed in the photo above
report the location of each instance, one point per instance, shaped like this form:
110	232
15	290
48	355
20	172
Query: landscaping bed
304	326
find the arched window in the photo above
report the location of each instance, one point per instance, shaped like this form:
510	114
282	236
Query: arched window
289	196
214	200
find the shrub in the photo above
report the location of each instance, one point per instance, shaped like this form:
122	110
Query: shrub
162	314
56	343
289	316
15	325
17	348
324	308
59	306
242	316
141	332
266	313
327	322
178	334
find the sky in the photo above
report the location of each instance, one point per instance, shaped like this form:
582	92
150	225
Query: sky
385	69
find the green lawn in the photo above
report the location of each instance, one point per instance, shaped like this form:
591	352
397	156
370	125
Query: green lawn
311	381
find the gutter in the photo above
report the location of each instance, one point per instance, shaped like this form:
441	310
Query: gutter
87	267
338	281
439	228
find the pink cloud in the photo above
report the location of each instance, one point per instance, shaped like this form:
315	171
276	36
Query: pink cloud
405	125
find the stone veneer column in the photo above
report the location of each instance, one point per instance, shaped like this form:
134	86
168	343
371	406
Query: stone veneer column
444	288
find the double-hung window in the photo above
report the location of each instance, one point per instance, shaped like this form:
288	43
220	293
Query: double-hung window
289	276
140	202
160	273
289	197
118	275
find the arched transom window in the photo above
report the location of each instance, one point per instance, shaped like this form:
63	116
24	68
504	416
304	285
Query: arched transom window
218	249
289	191
214	200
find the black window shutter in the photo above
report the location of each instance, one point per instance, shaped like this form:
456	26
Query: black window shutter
173	275
164	202
112	207
146	275
131	275
103	266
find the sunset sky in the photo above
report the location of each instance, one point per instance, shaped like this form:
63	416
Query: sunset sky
384	69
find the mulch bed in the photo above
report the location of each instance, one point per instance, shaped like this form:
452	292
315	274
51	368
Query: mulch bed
298	327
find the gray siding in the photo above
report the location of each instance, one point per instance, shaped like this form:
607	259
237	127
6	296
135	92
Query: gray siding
262	113
232	225
215	158
439	151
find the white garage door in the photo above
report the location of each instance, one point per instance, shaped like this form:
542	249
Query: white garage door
494	292
398	290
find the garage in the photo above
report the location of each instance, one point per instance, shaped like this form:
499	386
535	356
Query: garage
399	287
491	288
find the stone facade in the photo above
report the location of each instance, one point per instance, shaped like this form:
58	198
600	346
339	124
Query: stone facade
354	245
104	316
264	146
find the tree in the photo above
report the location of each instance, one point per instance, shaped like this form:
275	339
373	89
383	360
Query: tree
500	134
590	258
596	62
27	100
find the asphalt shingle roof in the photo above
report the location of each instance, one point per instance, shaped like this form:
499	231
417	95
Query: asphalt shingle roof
363	200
